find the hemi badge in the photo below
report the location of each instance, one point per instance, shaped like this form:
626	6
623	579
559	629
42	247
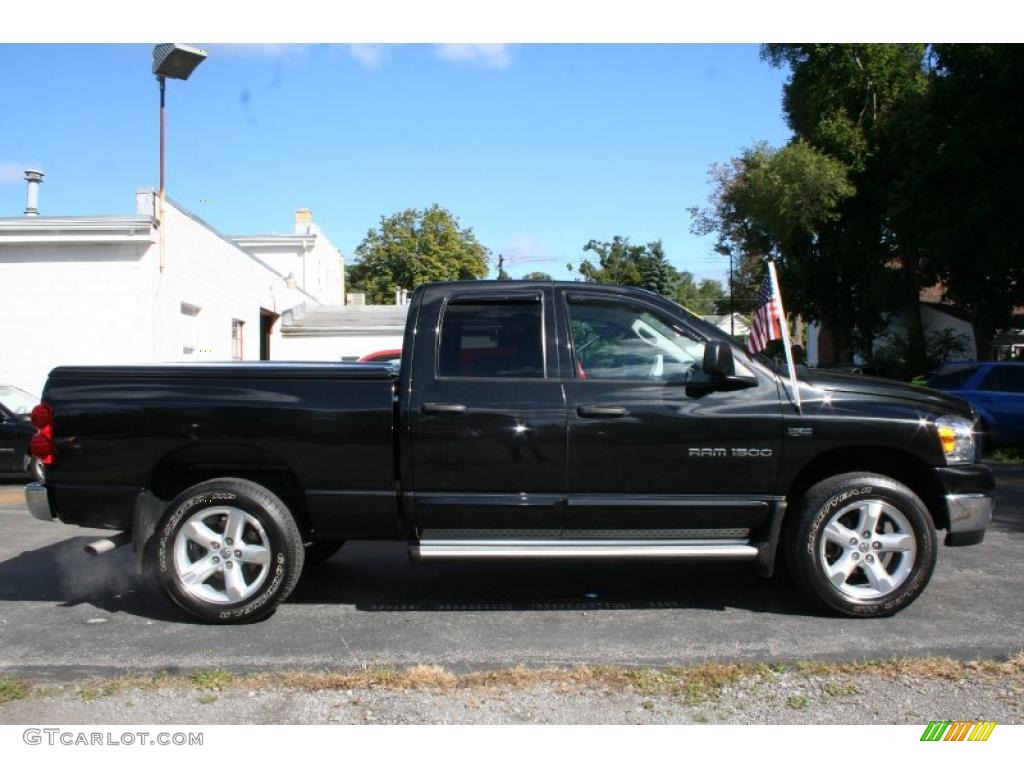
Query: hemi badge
801	431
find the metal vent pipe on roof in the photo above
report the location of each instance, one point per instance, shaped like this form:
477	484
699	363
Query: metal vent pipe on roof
34	179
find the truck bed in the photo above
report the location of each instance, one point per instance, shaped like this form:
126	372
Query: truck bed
325	430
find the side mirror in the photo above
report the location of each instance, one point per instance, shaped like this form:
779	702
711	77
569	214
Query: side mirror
718	362
721	369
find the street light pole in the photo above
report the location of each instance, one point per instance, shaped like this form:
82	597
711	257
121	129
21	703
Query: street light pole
178	62
163	83
732	309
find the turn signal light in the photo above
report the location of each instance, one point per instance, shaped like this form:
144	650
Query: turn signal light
947	436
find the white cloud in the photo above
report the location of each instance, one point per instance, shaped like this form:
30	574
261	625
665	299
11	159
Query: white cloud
492	56
255	50
12	173
370	56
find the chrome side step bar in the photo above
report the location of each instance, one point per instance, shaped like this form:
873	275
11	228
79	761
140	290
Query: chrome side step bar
689	549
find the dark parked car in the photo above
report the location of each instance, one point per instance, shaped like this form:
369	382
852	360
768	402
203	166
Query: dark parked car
16	431
995	389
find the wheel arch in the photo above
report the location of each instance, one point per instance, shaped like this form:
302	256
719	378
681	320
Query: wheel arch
185	467
894	463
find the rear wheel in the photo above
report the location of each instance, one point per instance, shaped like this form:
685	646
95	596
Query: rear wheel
228	551
861	544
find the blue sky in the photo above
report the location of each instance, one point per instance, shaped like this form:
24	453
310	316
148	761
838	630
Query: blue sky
538	148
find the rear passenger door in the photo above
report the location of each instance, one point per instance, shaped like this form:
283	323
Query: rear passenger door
487	415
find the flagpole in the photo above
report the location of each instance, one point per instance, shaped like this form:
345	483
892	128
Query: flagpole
785	335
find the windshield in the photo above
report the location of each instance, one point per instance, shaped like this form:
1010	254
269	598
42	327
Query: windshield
17	401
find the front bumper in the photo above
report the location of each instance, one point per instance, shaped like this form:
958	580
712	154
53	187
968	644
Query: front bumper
37	497
969	517
969	500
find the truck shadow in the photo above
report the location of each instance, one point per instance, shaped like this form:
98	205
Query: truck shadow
381	577
378	576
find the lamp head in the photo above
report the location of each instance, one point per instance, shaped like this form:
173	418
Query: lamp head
175	60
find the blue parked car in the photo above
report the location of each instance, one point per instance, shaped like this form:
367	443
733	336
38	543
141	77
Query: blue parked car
995	389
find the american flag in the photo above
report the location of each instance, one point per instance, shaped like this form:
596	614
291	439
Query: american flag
766	318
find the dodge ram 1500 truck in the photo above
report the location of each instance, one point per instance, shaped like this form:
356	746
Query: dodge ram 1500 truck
527	420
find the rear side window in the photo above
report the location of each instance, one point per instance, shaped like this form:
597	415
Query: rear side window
954	379
1004	378
492	340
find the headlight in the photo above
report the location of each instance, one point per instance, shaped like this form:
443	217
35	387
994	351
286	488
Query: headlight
956	436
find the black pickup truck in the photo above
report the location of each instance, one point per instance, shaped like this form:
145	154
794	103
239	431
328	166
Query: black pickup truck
528	420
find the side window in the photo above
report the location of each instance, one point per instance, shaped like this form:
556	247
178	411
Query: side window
625	341
954	379
1004	378
1012	379
492	340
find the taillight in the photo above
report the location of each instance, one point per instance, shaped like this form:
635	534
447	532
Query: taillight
41	445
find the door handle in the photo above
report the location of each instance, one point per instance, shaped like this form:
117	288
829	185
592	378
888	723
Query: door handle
445	408
601	411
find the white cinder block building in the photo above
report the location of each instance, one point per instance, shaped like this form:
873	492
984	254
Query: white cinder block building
308	255
138	289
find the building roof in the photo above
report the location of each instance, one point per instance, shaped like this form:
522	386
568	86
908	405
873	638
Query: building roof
86	229
332	319
273	241
722	320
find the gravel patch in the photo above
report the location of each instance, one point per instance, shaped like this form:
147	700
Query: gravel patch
765	697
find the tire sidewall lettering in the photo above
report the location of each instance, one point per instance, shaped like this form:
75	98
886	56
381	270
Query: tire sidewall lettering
268	511
892	492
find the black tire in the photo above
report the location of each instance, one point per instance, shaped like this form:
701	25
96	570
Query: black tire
322	550
881	581
267	561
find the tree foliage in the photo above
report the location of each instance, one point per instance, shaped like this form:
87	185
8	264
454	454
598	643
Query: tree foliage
775	203
902	171
965	186
646	266
414	247
537	276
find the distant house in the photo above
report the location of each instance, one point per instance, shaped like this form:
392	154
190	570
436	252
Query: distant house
936	316
134	289
306	255
734	324
340	332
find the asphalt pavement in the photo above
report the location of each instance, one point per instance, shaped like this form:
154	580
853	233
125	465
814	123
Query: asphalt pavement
64	614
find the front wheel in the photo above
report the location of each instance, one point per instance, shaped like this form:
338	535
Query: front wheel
861	544
228	551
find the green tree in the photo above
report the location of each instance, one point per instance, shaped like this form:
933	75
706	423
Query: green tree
414	247
536	276
704	298
775	203
823	205
646	266
963	188
623	263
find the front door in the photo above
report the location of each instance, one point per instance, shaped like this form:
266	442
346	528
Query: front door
487	416
653	450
